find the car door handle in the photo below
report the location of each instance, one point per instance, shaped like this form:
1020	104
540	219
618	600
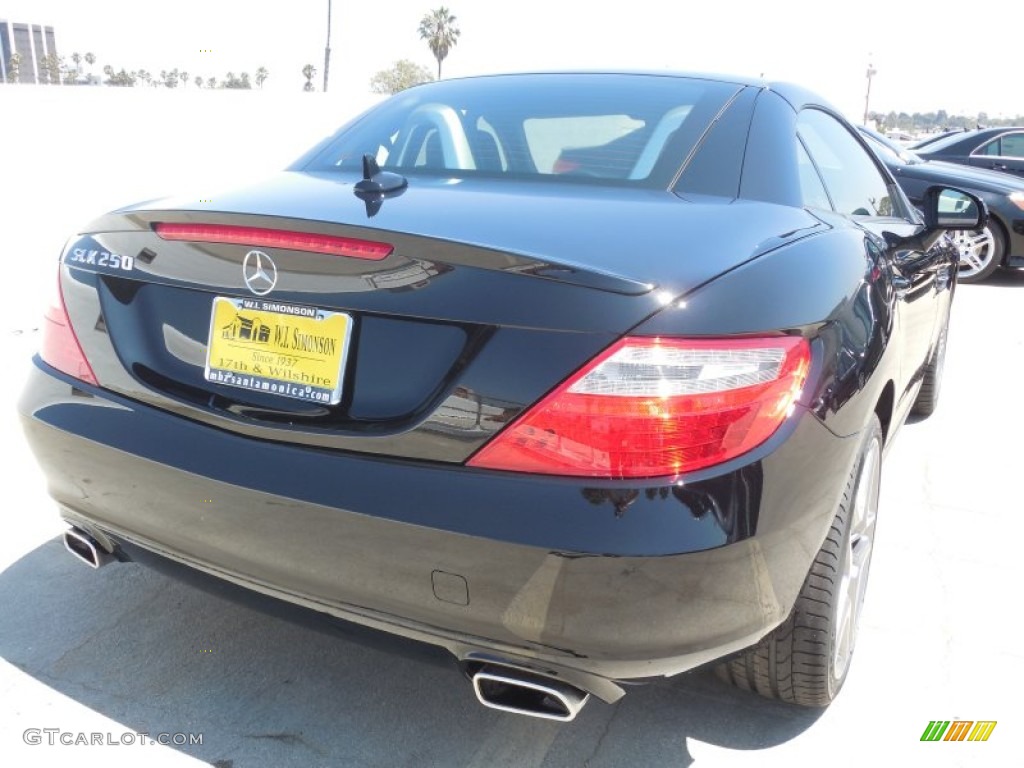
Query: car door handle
998	167
901	285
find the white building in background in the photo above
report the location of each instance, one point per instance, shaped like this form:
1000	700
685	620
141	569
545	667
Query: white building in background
32	42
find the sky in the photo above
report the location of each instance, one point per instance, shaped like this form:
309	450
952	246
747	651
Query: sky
916	50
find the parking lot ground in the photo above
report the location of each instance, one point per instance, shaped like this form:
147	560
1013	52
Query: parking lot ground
123	650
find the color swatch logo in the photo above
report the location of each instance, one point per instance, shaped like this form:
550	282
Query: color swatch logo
958	730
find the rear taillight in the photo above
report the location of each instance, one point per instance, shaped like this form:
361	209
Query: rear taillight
60	345
652	407
259	237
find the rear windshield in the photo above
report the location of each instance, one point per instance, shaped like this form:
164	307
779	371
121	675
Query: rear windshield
946	141
604	129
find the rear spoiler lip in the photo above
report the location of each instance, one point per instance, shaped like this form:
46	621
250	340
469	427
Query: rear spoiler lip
135	219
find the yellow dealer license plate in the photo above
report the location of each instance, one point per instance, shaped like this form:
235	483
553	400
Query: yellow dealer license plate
280	349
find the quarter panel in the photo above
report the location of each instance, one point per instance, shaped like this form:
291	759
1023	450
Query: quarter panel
833	287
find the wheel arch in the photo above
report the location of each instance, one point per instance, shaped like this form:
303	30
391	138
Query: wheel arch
884	408
996	222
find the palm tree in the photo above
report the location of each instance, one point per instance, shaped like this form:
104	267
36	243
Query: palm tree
90	59
439	30
261	76
309	72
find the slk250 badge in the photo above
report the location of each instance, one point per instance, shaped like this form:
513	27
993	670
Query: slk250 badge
97	258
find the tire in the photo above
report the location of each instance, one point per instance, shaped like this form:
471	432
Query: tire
805	660
981	252
928	396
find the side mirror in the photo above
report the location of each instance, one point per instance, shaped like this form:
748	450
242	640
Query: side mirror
944	208
951	208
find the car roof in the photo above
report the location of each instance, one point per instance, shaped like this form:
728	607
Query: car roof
716	76
967	139
797	96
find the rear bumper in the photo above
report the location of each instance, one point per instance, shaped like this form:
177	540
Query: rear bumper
589	583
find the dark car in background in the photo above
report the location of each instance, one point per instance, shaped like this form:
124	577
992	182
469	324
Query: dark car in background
585	378
1001	241
996	149
927	140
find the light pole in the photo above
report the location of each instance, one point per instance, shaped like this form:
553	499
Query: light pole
327	48
867	96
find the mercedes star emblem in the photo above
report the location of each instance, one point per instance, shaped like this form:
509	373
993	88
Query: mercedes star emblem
260	272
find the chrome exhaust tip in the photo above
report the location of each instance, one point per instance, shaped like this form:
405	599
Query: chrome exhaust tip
523	693
85	548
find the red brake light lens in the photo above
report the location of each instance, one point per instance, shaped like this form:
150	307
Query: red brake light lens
653	407
275	238
60	345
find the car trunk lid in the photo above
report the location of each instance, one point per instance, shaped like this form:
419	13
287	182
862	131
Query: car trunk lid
490	296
